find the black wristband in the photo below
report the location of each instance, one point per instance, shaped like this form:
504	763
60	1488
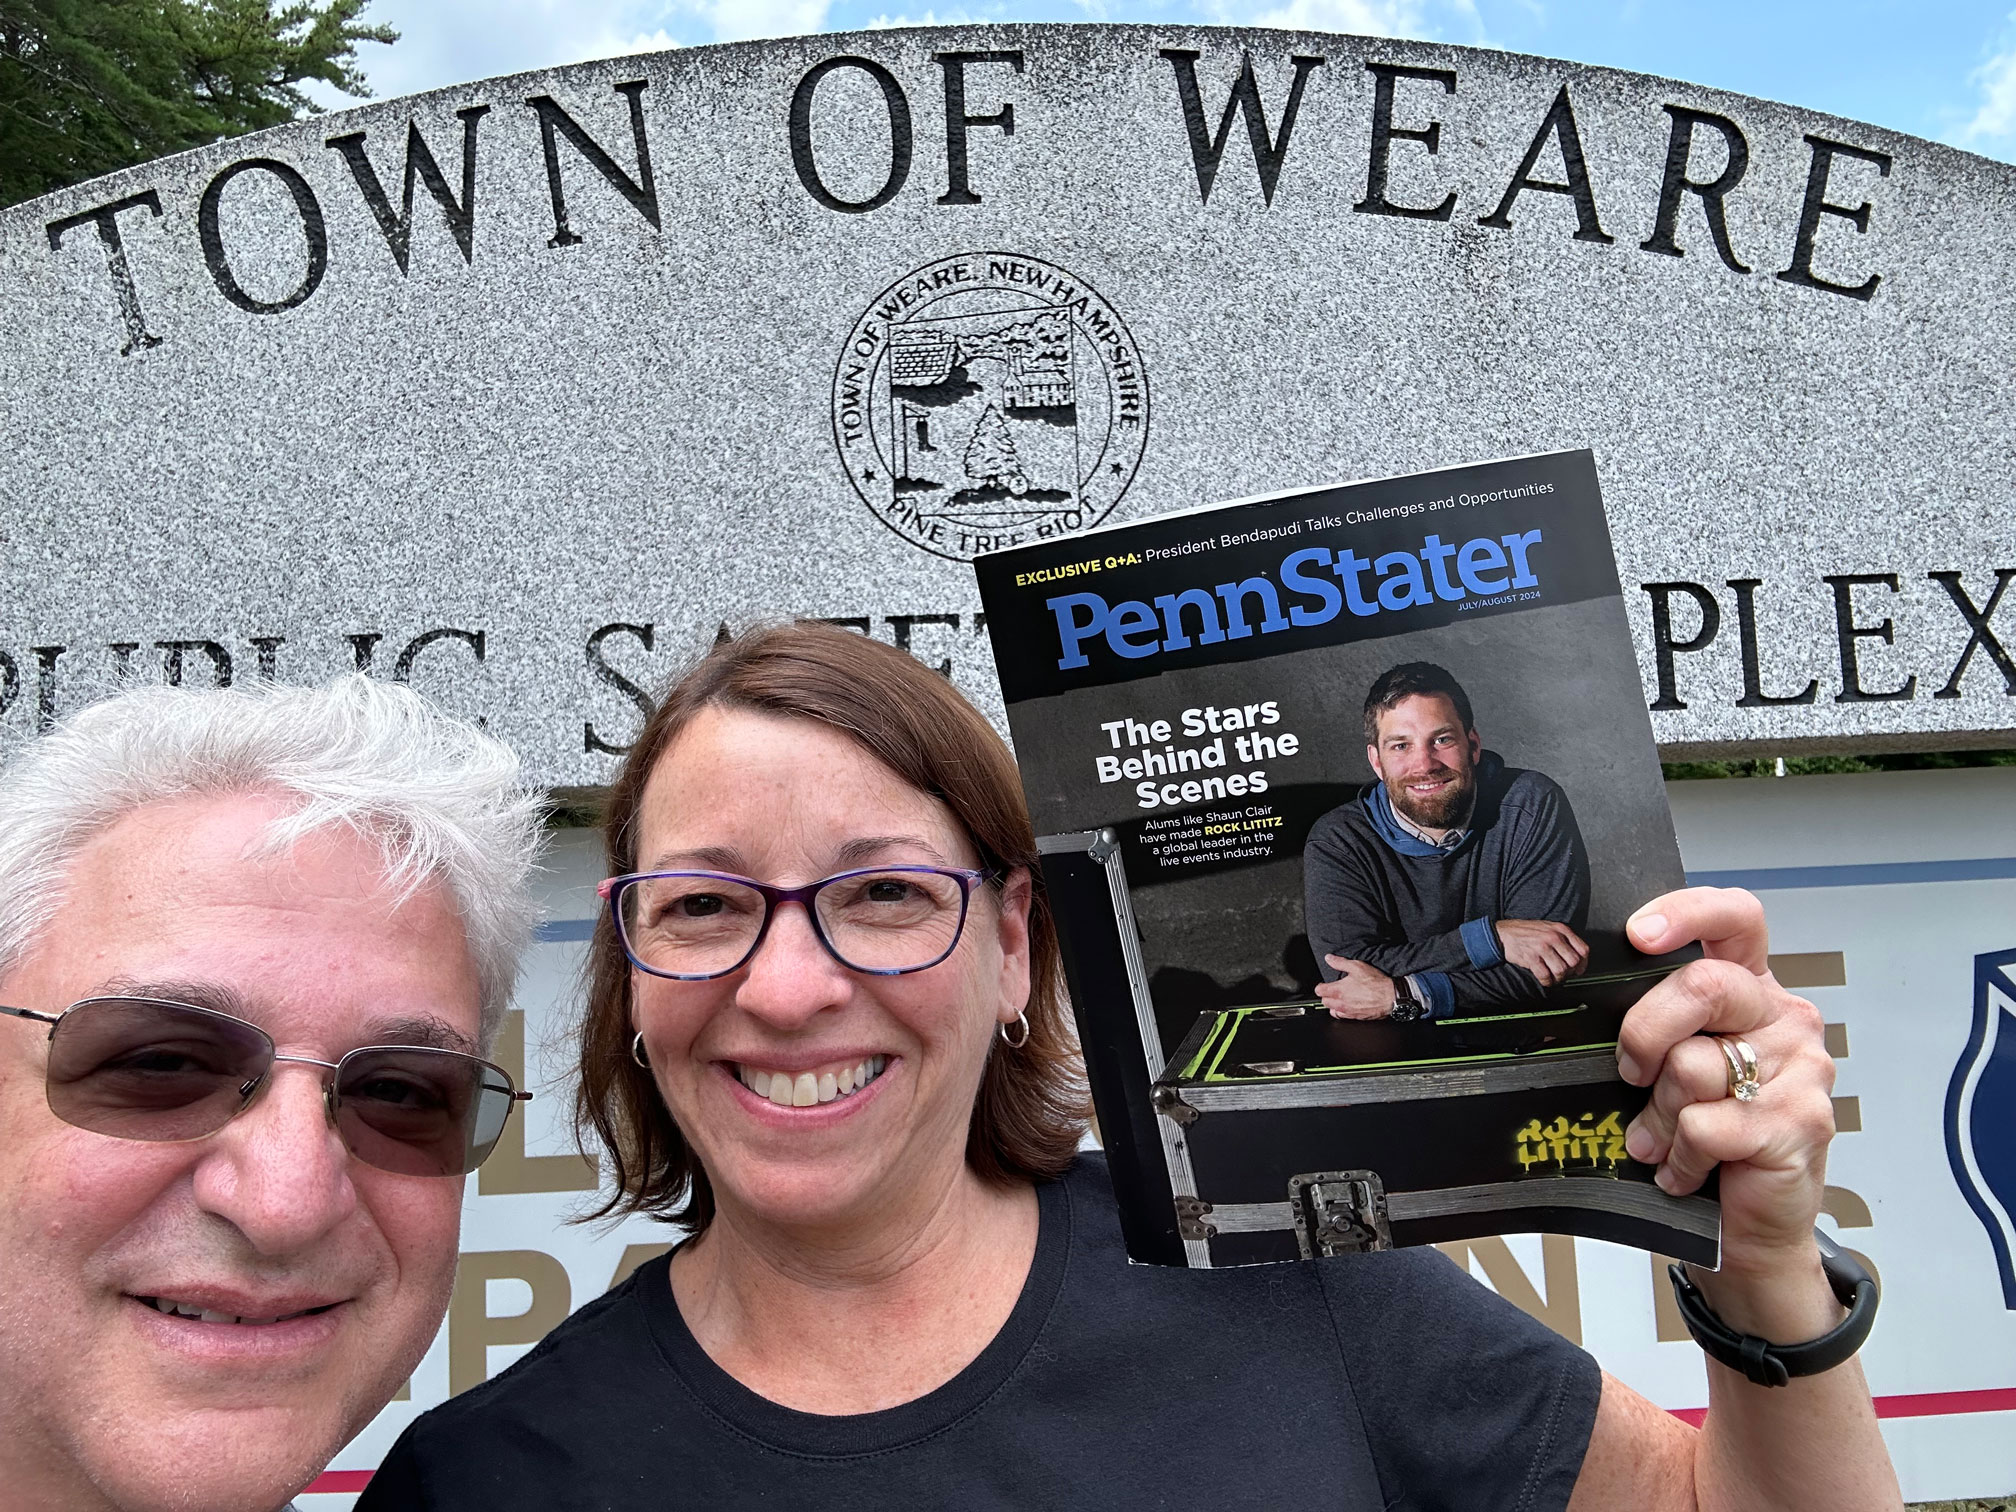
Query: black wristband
1770	1364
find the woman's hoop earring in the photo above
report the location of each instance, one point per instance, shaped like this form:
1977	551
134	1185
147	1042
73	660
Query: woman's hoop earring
1014	1044
637	1051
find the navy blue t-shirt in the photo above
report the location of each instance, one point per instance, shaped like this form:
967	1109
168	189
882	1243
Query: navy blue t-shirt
1376	1382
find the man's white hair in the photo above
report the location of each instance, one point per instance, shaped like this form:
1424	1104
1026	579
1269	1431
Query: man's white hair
440	798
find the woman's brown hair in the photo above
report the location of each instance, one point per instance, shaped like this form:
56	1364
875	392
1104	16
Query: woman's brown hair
1031	1109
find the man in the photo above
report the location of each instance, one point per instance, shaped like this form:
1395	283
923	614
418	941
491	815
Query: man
1455	884
229	1238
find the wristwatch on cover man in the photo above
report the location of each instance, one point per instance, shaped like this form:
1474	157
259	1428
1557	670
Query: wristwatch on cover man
1406	1007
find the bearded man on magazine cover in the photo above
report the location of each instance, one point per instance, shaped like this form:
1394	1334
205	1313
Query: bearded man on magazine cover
1452	885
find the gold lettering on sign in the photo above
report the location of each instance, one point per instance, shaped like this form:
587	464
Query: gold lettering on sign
472	1329
1817	968
510	1171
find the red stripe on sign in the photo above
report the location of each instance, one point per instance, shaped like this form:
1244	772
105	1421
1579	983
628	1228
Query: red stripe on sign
1925	1404
339	1480
1942	1403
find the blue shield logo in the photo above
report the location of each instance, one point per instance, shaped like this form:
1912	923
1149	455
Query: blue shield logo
1981	1112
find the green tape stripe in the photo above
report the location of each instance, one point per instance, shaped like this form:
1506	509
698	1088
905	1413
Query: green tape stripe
1545	1013
1233	1019
1501	1058
1495	1018
1202	1050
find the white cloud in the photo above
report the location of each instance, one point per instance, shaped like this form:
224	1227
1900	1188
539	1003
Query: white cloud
1425	19
444	42
742	20
1378	18
656	41
1993	127
929	18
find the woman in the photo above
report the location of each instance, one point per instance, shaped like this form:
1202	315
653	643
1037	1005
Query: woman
825	1015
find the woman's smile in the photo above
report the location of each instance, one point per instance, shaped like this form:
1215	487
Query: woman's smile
817	1097
835	1081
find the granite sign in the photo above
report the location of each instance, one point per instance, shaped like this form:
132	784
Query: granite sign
521	390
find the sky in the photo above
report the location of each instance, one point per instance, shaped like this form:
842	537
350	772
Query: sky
1943	69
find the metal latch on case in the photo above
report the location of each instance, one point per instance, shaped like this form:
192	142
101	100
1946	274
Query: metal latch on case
1339	1213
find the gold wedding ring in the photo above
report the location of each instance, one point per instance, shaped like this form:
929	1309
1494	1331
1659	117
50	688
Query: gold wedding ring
1744	1077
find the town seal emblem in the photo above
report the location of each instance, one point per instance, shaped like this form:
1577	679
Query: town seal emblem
989	400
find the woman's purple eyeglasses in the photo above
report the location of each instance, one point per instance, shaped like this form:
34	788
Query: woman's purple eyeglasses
692	926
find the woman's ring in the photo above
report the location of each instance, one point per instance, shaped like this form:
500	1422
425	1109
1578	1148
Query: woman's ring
1744	1077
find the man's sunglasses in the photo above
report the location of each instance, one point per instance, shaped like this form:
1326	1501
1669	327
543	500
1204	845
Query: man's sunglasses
143	1068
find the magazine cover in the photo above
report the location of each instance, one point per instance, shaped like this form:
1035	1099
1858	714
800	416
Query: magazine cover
1344	797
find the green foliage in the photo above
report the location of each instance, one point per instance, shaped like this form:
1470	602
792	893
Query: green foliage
90	86
1809	766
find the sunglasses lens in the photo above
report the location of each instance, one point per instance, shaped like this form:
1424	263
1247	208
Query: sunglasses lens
137	1069
420	1112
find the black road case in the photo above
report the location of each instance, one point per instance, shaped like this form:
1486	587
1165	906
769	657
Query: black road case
1283	1131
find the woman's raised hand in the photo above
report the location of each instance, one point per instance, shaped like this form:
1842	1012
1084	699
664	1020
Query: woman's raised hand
1772	1148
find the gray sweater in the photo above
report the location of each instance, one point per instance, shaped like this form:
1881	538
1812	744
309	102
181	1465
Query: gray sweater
1374	893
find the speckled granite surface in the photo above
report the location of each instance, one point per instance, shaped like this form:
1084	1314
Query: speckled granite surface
518	417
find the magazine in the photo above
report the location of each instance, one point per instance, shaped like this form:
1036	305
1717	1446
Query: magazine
1344	797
